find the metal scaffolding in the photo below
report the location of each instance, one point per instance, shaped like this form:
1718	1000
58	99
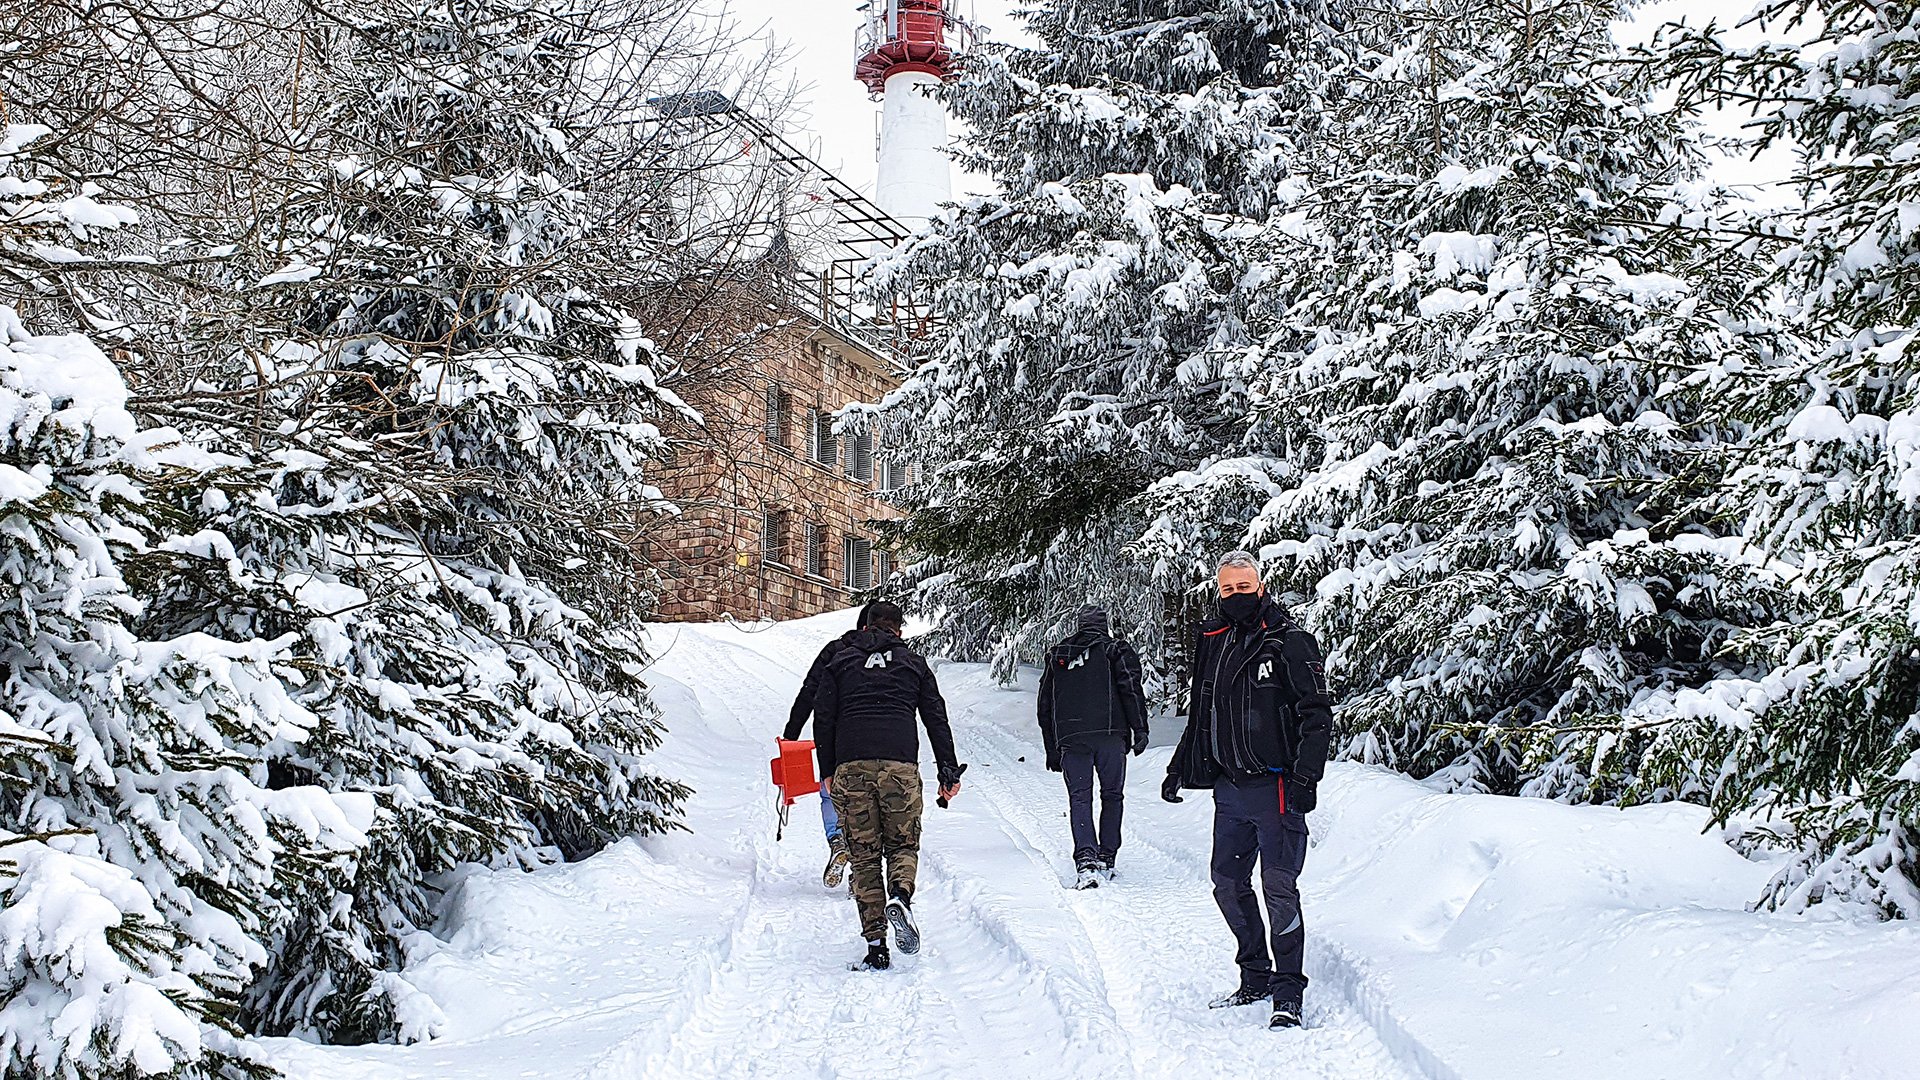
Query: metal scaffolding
892	328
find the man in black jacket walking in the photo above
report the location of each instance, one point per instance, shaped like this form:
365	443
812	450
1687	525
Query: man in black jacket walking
1258	725
869	754
797	722
1092	710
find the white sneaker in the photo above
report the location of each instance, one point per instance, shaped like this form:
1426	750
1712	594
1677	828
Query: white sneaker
906	935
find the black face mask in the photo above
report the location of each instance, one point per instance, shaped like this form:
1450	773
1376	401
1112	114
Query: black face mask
1241	607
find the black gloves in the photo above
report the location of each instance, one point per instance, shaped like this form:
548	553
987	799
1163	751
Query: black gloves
1170	789
1053	761
1139	743
948	778
1302	795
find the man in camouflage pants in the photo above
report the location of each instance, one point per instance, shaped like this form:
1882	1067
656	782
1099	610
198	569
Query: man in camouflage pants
883	827
869	751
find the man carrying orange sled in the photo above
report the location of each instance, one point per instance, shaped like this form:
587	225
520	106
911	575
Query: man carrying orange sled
869	761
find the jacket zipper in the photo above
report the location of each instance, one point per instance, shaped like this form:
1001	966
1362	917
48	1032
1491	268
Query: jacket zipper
1246	705
1213	707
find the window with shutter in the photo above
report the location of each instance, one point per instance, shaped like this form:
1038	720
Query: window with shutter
779	416
860	456
893	475
856	558
773	537
823	446
816	541
883	566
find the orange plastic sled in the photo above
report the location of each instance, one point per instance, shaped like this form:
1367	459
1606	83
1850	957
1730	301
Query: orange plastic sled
792	778
793	770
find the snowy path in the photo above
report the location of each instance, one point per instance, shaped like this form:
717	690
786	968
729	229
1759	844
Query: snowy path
1449	937
1153	940
720	955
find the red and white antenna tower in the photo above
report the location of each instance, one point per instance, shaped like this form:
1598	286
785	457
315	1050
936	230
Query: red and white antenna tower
906	47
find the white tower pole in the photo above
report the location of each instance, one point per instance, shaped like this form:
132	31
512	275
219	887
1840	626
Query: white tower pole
915	175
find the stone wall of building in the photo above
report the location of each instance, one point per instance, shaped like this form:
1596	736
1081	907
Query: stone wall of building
734	480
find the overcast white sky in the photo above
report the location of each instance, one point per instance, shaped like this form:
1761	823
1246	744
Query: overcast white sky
834	119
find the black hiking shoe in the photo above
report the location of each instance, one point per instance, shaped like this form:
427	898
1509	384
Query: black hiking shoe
836	863
878	959
1242	996
906	934
1286	1014
1087	876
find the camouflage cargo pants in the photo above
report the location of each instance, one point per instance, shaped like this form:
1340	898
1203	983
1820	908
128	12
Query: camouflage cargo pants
879	804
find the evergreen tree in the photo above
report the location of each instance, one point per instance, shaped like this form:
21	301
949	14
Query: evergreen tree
1093	313
1822	743
456	414
385	570
1477	408
136	846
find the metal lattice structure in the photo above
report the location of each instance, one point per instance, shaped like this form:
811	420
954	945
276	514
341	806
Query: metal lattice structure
857	230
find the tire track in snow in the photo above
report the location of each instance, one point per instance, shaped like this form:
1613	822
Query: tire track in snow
636	1054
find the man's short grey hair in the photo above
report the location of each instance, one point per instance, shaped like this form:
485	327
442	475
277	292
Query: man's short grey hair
1238	558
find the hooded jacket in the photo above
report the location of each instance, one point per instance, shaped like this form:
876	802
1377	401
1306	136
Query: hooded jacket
810	686
1258	703
865	707
1090	687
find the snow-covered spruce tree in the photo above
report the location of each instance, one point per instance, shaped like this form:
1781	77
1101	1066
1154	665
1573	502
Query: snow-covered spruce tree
1477	405
1093	312
139	836
1823	746
437	475
416	455
136	844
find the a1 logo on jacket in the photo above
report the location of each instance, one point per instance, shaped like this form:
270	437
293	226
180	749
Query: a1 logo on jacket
879	659
1265	672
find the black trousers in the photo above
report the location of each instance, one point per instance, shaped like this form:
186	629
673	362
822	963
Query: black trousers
1081	760
1249	822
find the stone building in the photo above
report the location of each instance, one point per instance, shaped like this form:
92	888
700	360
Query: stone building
777	510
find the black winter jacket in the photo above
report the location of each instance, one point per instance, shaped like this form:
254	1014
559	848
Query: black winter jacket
810	686
1090	686
865	705
1258	703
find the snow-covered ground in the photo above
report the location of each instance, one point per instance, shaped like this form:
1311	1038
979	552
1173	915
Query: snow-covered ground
1451	936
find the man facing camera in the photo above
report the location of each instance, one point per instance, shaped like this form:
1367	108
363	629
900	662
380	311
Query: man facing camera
1257	731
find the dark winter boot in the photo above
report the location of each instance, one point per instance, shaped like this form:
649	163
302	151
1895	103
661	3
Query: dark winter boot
906	934
1286	1014
878	959
1087	877
1242	996
836	863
